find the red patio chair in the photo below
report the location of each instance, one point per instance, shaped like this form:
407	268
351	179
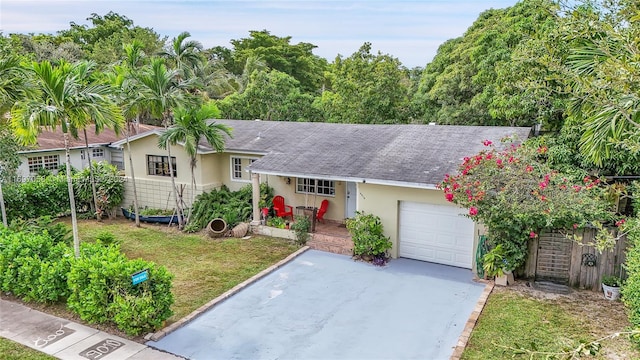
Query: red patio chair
280	208
323	209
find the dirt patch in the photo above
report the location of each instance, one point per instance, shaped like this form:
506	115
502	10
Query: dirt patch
601	316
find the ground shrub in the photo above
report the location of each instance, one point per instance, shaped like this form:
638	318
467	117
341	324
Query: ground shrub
232	206
42	196
33	266
368	236
101	290
109	188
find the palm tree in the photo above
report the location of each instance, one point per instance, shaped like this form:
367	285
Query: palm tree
159	91
64	98
190	125
13	86
604	73
123	79
185	55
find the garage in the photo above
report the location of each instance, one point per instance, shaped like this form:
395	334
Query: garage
435	233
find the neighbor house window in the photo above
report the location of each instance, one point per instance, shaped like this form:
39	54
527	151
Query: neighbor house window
97	153
315	186
48	162
159	165
238	167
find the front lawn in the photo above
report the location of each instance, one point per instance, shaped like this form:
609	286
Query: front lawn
10	350
518	316
204	268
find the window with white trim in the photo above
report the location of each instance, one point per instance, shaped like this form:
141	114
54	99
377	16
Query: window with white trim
159	165
97	153
315	186
48	162
238	168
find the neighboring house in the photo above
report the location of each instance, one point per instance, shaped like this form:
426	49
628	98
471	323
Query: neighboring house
49	152
387	170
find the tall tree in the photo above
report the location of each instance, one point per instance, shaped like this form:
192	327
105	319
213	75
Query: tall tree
64	100
185	55
296	60
472	80
160	90
366	88
189	127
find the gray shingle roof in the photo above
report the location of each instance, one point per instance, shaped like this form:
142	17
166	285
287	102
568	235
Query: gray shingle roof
417	154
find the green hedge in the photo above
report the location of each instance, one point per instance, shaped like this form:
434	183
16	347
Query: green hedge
101	290
631	288
41	196
97	286
34	267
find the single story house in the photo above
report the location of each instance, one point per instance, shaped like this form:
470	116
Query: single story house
49	152
387	170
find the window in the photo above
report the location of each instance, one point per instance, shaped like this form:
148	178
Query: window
159	165
238	166
48	162
97	153
315	186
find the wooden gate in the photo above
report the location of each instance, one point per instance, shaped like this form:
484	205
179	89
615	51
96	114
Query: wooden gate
553	257
553	260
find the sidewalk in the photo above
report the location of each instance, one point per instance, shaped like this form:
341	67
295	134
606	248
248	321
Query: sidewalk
68	340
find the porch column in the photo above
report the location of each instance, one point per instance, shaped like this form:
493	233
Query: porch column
255	186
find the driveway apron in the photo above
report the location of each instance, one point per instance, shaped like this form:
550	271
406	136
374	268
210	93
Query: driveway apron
327	306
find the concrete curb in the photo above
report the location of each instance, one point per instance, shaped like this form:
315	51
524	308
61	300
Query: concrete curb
178	324
471	323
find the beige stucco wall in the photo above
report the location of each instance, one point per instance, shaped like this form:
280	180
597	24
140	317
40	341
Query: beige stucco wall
384	201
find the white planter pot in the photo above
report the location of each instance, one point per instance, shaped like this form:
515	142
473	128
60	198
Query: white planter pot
610	292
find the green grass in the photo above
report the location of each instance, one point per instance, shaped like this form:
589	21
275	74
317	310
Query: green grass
511	319
10	350
203	267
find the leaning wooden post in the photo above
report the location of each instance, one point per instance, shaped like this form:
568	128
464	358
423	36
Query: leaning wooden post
255	186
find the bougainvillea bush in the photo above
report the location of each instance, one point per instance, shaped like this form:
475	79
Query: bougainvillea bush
510	189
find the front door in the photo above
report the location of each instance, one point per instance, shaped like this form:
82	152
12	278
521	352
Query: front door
352	193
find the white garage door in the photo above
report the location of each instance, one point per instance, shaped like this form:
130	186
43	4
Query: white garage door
435	233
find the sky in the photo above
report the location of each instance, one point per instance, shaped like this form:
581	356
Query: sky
408	30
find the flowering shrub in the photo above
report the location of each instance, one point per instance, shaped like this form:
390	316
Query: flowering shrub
516	195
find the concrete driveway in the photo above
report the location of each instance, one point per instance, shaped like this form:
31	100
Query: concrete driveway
327	306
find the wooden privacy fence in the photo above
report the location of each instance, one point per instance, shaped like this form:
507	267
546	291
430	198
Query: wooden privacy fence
553	257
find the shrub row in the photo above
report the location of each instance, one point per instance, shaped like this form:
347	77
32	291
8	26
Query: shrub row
49	194
97	286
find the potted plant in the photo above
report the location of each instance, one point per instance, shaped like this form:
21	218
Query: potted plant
611	286
495	265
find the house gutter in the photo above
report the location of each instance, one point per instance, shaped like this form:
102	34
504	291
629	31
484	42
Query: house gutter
61	149
351	179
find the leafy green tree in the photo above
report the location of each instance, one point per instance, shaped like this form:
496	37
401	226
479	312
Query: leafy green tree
270	95
472	79
64	99
189	127
42	47
366	88
102	41
279	54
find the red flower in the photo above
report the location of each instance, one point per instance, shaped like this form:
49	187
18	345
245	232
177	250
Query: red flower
487	142
542	150
542	185
533	235
449	197
473	211
620	222
575	226
499	162
529	168
456	186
